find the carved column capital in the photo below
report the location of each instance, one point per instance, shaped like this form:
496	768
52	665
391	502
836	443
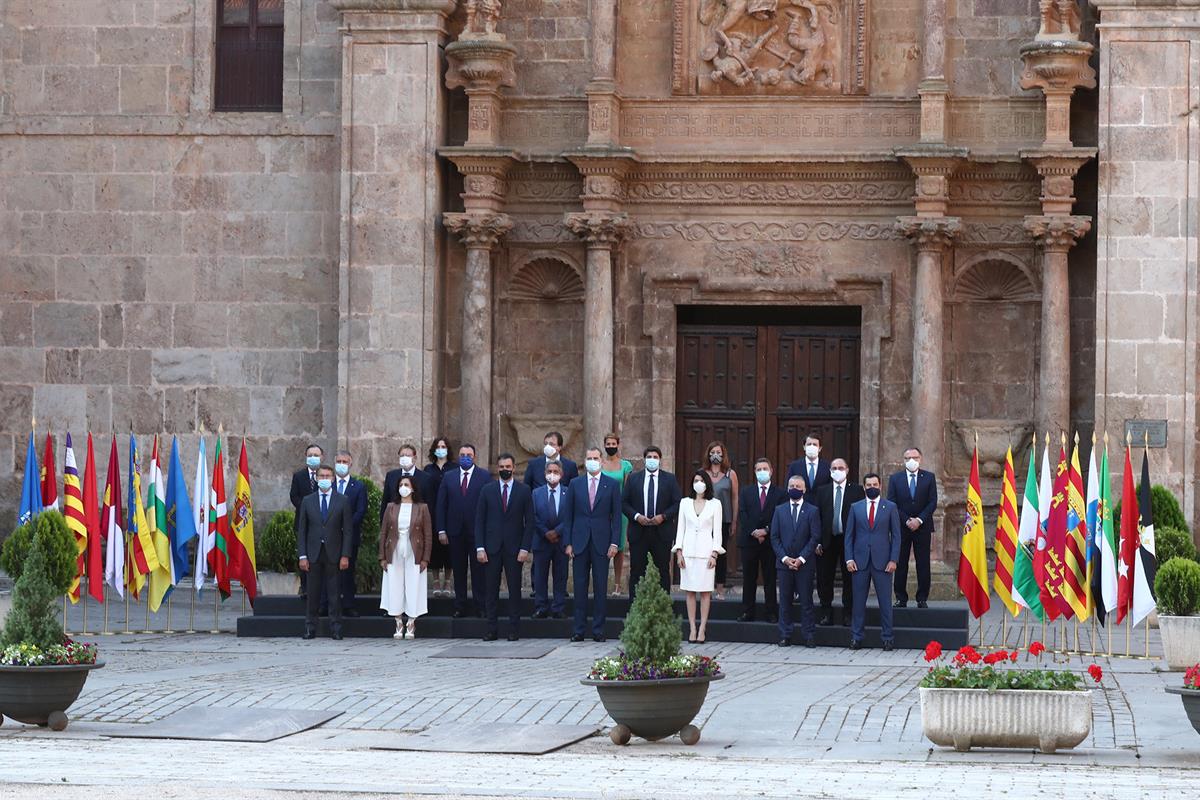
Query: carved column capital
1057	232
930	233
603	230
481	230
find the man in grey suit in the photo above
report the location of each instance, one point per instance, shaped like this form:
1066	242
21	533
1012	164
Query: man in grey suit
324	541
872	550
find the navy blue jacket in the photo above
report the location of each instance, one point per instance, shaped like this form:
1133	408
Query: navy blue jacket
599	527
546	519
873	547
751	516
800	467
922	505
795	540
511	529
356	496
455	513
535	472
666	499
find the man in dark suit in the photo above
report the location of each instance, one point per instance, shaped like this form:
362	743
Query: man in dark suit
872	547
535	470
503	538
914	491
814	468
457	502
549	544
593	530
324	533
650	500
756	508
356	495
304	483
833	501
795	534
422	481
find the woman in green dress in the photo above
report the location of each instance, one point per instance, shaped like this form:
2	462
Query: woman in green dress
618	469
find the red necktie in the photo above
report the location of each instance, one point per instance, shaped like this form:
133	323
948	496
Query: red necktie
762	498
504	497
464	485
871	514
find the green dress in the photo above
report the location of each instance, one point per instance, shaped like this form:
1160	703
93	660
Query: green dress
619	477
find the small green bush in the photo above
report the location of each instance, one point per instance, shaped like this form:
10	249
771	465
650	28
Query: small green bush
368	575
1165	508
1173	543
48	533
1177	587
33	619
651	632
276	546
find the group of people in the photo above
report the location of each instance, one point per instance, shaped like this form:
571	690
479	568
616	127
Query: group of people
454	515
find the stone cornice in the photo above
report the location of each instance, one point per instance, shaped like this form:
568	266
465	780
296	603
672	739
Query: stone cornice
445	7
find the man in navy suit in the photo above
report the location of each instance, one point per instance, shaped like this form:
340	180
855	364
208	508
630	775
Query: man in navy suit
593	526
795	534
872	547
408	469
650	500
304	483
356	495
756	509
323	537
814	468
535	471
914	491
457	502
503	537
549	544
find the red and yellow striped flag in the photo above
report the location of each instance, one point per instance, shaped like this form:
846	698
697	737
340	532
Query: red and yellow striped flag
972	561
76	520
1006	538
1075	583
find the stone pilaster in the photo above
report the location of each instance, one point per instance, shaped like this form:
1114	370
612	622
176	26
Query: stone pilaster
933	88
1058	68
480	232
481	67
604	104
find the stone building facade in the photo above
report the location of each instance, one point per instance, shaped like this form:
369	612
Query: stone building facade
892	221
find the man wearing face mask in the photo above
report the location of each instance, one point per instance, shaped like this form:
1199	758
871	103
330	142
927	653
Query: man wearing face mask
356	495
795	534
872	547
834	500
503	538
324	532
304	483
535	470
457	503
814	468
408	469
549	545
593	527
756	508
914	491
650	501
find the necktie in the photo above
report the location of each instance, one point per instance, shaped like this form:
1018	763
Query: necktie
504	497
342	486
464	485
554	502
912	484
837	509
762	498
312	480
324	507
812	474
650	498
591	493
871	514
795	514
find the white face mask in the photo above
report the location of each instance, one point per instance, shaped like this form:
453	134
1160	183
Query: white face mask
405	491
811	450
592	465
911	465
550	451
406	462
699	487
553	478
838	475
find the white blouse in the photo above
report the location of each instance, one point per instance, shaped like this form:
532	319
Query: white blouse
698	535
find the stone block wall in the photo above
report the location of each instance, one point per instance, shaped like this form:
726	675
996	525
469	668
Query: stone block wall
553	41
983	41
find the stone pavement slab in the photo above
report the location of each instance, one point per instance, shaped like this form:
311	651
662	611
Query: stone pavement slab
534	649
227	724
533	740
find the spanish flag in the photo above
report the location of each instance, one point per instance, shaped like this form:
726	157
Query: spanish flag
972	561
1006	538
242	565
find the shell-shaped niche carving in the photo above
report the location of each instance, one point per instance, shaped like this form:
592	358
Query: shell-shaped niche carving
547	279
992	280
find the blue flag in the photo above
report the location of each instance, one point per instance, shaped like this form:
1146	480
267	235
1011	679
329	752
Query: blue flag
181	527
31	487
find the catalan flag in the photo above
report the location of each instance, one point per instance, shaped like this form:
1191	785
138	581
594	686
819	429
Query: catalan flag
1006	538
242	564
76	520
1075	544
972	561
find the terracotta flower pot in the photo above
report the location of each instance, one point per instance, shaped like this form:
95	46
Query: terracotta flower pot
654	709
1191	703
41	695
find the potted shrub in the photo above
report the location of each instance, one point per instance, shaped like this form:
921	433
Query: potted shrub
1189	693
368	575
1177	590
276	555
650	689
42	672
972	702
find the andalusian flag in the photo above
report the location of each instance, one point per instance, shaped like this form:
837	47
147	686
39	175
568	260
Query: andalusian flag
1042	562
142	557
162	577
76	520
1104	558
1025	586
1006	538
218	526
241	544
1075	541
111	520
49	476
972	561
95	532
1093	526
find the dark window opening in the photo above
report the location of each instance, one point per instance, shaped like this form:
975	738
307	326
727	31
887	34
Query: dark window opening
249	63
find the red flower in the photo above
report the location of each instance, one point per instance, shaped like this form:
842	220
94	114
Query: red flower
1036	648
1096	673
1013	655
933	651
996	657
1191	678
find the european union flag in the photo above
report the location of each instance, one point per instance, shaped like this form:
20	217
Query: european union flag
181	527
31	487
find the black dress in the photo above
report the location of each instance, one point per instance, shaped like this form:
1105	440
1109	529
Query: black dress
439	557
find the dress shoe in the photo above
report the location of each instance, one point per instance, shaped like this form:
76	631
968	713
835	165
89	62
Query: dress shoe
543	614
888	646
337	637
599	639
809	643
458	615
900	604
922	604
309	635
747	616
785	642
490	637
558	615
826	618
577	637
350	612
855	645
512	637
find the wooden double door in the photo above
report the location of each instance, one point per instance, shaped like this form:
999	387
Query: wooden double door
761	389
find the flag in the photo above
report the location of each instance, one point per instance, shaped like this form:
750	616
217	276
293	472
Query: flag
218	557
1052	554
1006	538
972	560
1129	541
162	576
1145	562
95	533
111	520
31	490
1075	542
1104	568
241	544
142	558
181	525
49	476
1094	536
76	521
1025	585
200	501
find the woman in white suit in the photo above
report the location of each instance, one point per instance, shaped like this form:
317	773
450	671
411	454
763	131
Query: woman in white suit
697	545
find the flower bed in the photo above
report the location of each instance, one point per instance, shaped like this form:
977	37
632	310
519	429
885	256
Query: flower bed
622	668
970	670
68	653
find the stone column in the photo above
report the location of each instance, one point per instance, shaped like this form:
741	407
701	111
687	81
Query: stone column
479	232
602	231
933	88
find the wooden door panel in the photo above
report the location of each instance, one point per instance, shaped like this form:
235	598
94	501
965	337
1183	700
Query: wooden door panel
717	368
695	434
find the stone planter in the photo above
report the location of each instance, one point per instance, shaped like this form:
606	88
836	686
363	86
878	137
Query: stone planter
1191	704
41	695
1180	640
966	718
285	583
656	709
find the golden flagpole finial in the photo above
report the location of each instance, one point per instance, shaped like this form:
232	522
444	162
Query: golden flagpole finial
1128	438
1062	435
1077	438
1093	438
1106	439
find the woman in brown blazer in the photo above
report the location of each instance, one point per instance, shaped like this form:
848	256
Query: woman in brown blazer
405	540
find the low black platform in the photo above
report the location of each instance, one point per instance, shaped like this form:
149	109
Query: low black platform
282	616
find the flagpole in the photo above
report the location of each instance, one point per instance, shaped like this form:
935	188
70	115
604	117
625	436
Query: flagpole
127	593
216	611
106	631
147	629
1003	629
1128	625
191	628
83	601
65	614
168	628
1025	634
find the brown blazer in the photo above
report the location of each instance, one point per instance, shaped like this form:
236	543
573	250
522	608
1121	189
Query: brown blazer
420	532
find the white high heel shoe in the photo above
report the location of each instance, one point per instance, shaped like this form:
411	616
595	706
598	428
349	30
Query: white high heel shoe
412	629
399	634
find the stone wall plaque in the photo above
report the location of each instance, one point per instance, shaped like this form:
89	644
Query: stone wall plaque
1151	432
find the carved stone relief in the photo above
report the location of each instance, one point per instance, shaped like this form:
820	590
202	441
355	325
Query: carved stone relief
994	277
765	231
546	277
766	260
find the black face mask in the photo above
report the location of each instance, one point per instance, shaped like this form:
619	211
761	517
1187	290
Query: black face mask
872	493
506	474
612	451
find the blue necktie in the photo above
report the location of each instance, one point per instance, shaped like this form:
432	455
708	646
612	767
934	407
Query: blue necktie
324	507
812	474
912	485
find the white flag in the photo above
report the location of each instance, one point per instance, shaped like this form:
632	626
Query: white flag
205	538
114	551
